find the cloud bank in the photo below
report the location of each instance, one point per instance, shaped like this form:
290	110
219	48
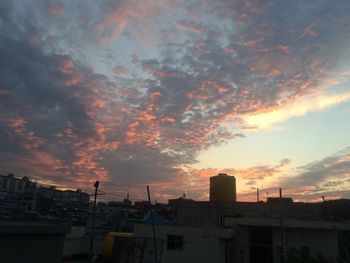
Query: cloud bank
81	99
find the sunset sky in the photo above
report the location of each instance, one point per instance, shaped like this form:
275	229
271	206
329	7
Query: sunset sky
170	92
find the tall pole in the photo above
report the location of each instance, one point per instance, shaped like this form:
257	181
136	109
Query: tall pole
92	234
283	236
328	212
257	195
153	228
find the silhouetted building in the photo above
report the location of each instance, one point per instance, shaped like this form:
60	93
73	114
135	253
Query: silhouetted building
179	201
280	200
21	198
16	195
11	184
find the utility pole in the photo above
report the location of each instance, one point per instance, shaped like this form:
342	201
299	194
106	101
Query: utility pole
257	195
153	228
328	212
283	235
92	232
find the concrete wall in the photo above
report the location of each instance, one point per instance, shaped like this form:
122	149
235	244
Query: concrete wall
77	242
317	236
199	244
74	242
317	241
240	249
208	214
31	242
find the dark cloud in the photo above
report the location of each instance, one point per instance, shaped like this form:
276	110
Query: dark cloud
333	167
47	107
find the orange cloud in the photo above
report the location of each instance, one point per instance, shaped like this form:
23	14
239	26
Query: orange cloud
66	65
119	70
54	8
3	92
32	141
45	159
16	123
74	79
189	27
121	14
309	31
284	48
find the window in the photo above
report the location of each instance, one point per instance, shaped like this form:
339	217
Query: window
175	242
304	251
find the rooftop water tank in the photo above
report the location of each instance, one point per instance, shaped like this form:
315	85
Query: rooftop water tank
223	188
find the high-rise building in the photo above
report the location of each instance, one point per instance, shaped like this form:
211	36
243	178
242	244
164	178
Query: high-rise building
223	188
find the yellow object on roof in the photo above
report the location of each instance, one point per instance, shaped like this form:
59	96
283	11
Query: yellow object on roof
108	244
119	234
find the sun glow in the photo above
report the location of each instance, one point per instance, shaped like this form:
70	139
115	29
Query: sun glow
301	107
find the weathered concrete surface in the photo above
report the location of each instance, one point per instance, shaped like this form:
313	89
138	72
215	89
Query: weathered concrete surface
32	242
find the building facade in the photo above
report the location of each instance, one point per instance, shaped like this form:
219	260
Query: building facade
23	198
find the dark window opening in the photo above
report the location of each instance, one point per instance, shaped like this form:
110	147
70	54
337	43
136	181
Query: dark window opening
305	251
175	242
261	245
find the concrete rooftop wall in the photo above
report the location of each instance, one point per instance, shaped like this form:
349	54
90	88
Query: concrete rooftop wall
31	242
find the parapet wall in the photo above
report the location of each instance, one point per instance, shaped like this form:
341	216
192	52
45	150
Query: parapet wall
210	213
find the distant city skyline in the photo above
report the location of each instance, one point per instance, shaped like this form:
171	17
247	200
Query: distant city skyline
168	93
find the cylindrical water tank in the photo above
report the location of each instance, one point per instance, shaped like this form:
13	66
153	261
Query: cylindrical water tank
222	188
